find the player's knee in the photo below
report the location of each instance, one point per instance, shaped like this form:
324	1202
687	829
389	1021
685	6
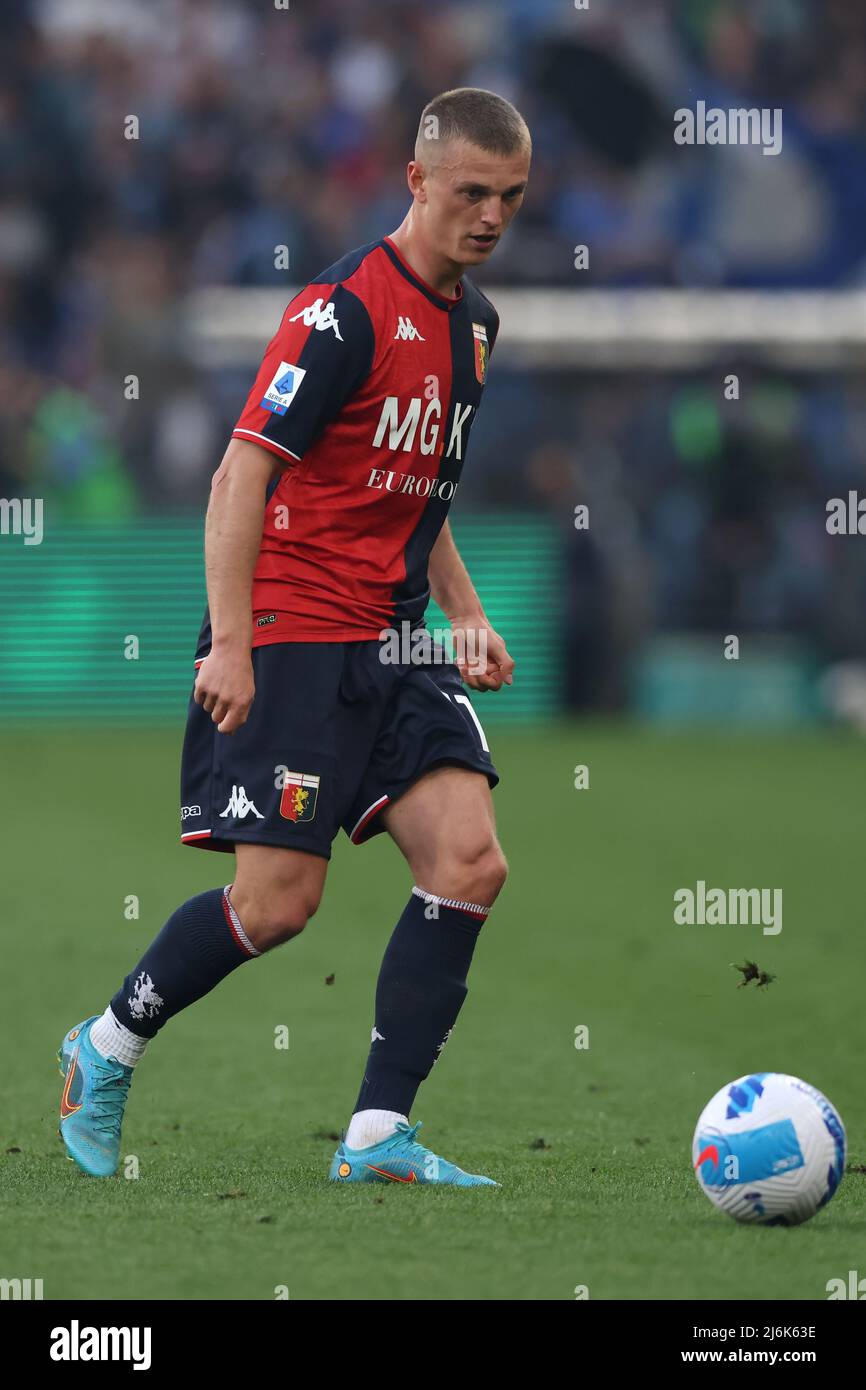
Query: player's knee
270	918
491	873
281	920
475	872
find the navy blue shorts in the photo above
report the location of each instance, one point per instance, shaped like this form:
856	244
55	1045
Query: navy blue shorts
332	738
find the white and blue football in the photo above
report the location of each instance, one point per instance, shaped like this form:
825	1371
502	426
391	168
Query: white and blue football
769	1148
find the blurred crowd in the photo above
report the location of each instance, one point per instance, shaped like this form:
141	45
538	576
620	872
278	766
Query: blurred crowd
705	515
259	125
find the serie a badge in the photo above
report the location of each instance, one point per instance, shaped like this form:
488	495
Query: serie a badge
300	793
482	351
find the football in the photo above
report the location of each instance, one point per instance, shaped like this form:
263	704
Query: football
769	1148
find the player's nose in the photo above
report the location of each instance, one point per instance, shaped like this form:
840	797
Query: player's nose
491	210
492	224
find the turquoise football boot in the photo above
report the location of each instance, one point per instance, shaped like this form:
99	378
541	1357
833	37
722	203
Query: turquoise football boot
92	1104
400	1159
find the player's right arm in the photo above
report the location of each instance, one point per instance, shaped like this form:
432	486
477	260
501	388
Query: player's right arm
319	356
233	532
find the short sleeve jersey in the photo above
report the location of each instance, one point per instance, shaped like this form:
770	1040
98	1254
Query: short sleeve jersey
367	394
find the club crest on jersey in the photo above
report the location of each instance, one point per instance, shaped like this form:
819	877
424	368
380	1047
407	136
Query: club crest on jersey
283	388
300	793
482	351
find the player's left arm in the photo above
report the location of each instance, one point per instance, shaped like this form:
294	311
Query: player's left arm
480	652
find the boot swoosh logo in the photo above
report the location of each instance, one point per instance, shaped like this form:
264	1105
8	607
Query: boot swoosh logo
66	1106
394	1177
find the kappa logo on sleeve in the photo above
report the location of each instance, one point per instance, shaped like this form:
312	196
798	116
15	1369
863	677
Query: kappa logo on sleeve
283	388
320	316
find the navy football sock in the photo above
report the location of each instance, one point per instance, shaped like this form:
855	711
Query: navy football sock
421	987
201	943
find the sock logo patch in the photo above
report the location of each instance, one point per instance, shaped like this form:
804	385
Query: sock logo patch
145	1002
376	1036
300	793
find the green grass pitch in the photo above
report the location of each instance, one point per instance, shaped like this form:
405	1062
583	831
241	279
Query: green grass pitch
592	1147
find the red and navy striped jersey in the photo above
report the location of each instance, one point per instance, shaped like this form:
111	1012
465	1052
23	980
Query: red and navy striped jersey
367	394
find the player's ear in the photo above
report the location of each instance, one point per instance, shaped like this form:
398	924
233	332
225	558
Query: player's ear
415	177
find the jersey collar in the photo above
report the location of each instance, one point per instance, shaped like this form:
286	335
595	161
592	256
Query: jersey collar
440	300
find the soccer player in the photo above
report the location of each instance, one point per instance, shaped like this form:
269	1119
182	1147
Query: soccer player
326	534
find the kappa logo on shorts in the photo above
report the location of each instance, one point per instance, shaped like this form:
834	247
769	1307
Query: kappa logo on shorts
240	805
300	793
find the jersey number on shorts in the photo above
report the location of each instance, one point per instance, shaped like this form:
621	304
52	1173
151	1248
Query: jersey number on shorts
464	700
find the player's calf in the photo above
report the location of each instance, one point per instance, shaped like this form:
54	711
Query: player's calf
444	826
419	993
202	942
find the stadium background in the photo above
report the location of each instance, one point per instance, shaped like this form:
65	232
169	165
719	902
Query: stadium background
261	128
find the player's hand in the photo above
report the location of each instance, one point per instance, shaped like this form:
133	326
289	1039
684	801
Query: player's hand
481	655
225	686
